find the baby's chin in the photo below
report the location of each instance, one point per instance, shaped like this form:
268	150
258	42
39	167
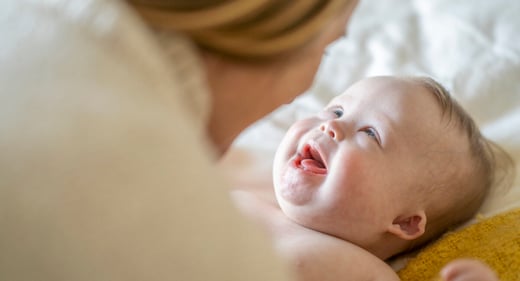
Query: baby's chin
302	219
291	188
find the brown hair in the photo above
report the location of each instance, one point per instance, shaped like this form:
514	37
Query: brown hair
247	29
492	167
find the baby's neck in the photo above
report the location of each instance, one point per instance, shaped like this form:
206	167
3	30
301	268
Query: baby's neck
387	246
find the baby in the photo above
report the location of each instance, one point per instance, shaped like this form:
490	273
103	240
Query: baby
387	166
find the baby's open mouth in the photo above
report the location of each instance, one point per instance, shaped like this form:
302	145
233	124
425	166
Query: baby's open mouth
310	160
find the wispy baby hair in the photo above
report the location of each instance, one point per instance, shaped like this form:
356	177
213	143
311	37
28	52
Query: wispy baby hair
492	166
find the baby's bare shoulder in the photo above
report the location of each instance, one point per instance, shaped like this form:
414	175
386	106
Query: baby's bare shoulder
317	256
313	255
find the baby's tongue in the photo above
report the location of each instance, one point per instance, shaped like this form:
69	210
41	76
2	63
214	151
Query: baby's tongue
314	166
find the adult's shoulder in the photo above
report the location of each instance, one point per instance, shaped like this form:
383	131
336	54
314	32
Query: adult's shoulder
97	44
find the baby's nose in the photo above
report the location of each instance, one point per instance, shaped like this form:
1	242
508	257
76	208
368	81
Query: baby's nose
331	128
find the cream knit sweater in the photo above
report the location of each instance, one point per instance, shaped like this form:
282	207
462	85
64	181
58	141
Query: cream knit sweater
103	171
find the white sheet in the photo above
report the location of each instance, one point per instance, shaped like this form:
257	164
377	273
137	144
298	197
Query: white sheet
472	47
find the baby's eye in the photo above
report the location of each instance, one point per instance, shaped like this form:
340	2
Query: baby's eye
371	132
338	112
332	112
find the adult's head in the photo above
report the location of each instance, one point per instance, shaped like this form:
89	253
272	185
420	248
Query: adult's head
258	54
389	164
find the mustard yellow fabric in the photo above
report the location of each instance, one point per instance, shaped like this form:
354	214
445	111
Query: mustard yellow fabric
495	240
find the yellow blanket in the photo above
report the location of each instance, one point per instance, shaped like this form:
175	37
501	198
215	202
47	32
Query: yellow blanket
495	240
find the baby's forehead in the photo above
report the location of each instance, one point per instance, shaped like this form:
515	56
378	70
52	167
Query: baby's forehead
392	88
390	94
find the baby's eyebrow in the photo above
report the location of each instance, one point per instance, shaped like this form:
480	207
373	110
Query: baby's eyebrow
342	98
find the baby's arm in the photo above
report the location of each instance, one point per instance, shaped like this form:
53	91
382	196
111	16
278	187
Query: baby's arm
467	270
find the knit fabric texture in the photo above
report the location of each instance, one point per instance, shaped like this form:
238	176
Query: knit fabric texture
495	241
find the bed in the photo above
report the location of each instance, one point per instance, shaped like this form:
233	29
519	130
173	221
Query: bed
471	47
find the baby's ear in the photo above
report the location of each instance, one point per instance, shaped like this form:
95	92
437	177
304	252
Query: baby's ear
409	227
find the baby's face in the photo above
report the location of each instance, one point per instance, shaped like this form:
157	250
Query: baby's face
357	165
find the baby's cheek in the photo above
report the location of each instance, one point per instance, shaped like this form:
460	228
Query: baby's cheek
302	126
354	162
297	132
349	171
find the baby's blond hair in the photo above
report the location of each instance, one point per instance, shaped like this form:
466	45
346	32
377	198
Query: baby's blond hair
491	167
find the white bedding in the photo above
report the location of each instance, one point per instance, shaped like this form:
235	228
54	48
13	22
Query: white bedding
472	47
